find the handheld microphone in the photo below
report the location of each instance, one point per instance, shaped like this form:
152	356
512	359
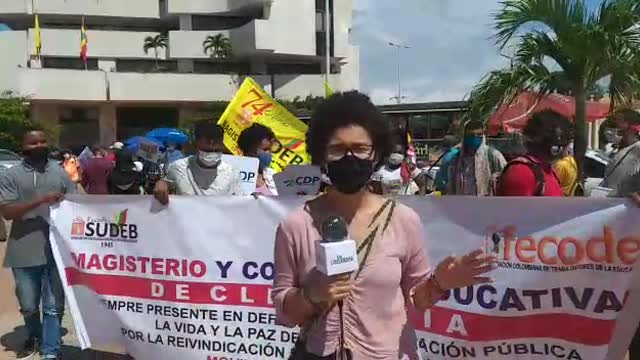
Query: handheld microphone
336	254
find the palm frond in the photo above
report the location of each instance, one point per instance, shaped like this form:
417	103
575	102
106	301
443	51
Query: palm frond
560	16
502	87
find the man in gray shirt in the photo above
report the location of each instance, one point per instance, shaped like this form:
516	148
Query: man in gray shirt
26	192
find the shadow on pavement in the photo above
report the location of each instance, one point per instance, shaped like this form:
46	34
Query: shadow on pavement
13	341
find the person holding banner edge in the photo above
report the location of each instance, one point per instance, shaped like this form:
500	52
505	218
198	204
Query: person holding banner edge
349	137
26	192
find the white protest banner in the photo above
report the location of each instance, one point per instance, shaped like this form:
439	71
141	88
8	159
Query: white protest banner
298	179
248	168
192	281
149	150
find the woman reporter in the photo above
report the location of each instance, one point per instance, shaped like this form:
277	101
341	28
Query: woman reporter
349	137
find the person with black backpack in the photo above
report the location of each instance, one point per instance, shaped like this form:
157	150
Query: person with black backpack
546	136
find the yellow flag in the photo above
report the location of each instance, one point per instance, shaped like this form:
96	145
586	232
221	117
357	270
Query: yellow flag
253	105
37	36
328	91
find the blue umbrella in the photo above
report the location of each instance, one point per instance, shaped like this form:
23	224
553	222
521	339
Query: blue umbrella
4	27
168	135
133	144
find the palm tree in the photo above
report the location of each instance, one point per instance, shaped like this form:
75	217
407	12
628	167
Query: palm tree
217	46
562	42
155	42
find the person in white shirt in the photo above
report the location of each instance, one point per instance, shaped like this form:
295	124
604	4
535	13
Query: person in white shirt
203	174
397	176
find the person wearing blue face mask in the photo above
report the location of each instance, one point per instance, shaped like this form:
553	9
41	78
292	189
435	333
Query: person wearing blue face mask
476	168
257	141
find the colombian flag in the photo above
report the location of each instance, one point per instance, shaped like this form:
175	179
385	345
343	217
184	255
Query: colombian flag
83	42
37	36
121	217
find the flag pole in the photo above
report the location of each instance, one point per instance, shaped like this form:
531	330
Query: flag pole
327	40
83	32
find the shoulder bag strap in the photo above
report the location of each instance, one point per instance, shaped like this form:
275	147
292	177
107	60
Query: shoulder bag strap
606	176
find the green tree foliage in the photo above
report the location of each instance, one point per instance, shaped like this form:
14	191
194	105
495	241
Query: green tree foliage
217	46
560	44
14	121
159	41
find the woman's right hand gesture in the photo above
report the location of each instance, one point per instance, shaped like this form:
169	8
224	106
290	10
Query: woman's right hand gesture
323	289
463	271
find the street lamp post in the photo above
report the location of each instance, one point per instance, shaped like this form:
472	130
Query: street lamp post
327	40
399	47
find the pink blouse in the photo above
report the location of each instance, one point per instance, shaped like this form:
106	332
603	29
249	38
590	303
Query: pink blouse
375	313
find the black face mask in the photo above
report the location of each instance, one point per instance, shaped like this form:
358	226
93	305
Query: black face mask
36	155
350	174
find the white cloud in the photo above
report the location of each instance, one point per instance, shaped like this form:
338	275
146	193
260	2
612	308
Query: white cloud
450	40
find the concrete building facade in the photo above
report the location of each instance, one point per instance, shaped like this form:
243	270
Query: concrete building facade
123	90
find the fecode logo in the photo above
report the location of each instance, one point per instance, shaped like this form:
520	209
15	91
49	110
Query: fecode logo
302	180
103	229
560	251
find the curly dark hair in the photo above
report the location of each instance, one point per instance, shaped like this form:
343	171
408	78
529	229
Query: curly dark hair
343	110
251	138
208	131
543	125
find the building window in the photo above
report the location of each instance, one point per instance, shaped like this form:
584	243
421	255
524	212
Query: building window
288	68
137	121
320	28
79	127
221	67
144	66
217	23
68	63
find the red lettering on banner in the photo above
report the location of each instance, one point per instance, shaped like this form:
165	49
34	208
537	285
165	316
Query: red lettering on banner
480	327
253	295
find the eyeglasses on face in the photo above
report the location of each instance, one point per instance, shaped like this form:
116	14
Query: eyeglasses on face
360	151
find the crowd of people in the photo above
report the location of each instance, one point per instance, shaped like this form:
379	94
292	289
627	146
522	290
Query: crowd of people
365	171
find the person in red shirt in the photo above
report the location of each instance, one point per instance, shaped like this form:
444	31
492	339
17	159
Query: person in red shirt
546	135
96	172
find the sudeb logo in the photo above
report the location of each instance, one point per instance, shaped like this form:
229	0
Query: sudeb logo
561	250
302	181
101	228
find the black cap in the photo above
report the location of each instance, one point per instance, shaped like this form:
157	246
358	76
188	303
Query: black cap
334	228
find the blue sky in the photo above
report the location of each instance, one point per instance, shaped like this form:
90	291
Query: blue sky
450	44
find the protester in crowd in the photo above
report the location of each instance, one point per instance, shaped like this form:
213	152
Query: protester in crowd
26	192
475	169
612	139
566	169
124	179
545	136
397	176
349	137
111	154
69	163
257	141
450	151
622	175
204	173
172	153
95	172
